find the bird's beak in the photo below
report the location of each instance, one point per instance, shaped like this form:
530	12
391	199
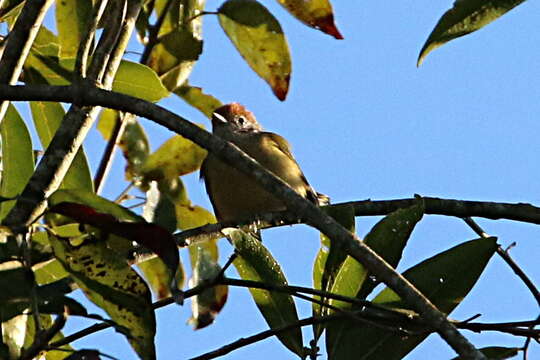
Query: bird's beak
219	118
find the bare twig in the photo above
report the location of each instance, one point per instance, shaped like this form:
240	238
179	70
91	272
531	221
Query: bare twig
312	214
153	33
506	257
88	38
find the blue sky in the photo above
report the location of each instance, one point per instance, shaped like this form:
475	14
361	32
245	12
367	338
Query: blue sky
364	122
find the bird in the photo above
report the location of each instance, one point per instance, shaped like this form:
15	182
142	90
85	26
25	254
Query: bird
235	195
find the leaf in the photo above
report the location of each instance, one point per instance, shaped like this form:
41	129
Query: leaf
389	237
175	157
330	259
206	305
445	279
71	19
315	13
14	299
195	97
159	210
140	81
180	41
134	142
255	262
17	158
497	352
13	336
10	9
47	117
152	236
111	284
465	17
258	37
131	78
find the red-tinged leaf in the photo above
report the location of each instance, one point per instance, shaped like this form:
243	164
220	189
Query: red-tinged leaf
315	13
151	236
258	37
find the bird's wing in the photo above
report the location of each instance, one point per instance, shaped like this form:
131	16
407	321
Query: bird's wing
284	146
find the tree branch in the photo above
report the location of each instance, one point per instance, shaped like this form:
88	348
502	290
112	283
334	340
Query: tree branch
306	210
74	127
19	42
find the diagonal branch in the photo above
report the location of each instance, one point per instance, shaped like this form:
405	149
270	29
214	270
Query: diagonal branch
75	125
306	210
19	42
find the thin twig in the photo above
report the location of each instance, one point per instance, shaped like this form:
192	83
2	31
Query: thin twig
87	39
506	257
264	335
42	338
108	153
153	33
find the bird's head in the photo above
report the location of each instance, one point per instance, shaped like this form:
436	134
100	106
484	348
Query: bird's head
234	117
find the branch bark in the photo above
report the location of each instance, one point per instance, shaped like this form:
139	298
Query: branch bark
19	42
295	203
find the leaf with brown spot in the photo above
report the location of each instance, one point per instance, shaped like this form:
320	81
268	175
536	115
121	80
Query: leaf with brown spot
315	13
258	37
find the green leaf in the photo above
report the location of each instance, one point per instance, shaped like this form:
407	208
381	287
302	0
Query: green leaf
497	352
195	97
445	279
71	19
180	41
134	142
315	13
140	81
47	118
258	37
131	78
389	237
332	260
175	157
110	283
17	158
465	17
256	263
10	9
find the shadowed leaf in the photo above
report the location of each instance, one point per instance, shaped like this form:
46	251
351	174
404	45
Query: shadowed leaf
255	262
465	17
445	279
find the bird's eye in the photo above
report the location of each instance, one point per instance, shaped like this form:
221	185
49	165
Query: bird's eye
241	120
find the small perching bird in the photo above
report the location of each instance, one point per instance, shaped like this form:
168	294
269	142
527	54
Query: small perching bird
236	196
